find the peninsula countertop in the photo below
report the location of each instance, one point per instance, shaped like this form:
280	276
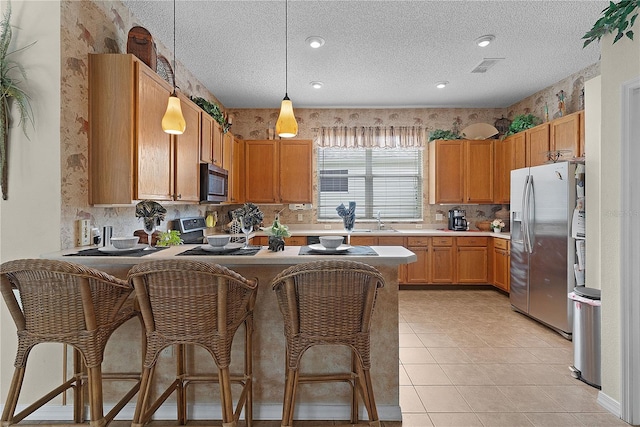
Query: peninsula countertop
386	255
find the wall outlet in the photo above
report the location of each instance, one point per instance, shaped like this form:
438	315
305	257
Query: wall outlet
167	352
327	227
418	226
300	218
439	217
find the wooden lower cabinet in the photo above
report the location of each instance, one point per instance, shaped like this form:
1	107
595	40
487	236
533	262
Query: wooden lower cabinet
443	260
501	264
419	272
472	260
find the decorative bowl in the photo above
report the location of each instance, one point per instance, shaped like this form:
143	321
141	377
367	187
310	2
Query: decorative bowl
483	225
331	242
218	240
124	242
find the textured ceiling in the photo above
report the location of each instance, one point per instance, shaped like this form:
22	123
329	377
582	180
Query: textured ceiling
377	53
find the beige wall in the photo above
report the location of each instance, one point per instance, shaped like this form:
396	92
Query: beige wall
30	217
619	63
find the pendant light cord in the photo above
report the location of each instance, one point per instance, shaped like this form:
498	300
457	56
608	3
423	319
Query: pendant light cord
174	47
286	48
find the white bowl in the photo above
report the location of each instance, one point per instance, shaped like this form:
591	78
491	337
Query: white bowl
331	242
218	240
124	242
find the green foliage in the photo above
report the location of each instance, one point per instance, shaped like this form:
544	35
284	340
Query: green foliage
12	75
523	122
277	229
169	238
213	110
614	18
444	134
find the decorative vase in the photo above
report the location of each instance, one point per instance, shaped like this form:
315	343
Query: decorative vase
497	230
276	243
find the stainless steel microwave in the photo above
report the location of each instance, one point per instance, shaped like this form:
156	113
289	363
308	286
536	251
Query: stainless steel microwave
214	184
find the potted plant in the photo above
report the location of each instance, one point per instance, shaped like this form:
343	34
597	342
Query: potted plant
497	225
523	122
443	134
277	232
10	92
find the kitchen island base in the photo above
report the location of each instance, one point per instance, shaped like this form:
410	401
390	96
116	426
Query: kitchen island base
330	401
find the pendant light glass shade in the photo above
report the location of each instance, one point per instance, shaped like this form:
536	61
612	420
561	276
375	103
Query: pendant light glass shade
286	126
173	121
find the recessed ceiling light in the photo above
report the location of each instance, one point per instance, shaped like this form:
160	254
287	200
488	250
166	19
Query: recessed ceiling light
485	40
316	85
441	85
315	41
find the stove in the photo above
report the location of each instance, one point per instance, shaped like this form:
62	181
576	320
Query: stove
191	229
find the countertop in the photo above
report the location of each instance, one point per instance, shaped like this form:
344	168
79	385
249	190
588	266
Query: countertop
389	231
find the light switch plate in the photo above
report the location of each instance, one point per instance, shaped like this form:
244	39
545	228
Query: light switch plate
438	217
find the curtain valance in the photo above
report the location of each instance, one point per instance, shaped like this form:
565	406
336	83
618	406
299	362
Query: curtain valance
370	137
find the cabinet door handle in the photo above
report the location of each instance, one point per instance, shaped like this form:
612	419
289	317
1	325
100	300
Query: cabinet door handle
179	196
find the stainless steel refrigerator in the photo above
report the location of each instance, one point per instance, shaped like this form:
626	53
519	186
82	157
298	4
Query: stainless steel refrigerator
543	252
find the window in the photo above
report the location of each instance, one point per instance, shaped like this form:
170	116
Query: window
389	181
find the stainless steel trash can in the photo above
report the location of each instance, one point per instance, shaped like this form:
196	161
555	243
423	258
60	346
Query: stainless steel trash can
586	335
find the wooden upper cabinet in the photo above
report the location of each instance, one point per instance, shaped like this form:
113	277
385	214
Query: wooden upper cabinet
210	140
502	171
446	171
261	171
518	145
153	146
478	171
130	157
461	171
206	137
236	172
187	155
227	151
565	135
582	132
295	171
216	144
537	144
278	171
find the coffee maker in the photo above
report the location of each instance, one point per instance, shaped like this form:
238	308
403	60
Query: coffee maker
457	220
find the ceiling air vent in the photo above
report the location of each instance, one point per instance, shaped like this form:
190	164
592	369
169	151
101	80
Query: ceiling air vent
486	63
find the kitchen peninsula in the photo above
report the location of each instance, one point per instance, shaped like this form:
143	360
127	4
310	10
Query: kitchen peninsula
319	402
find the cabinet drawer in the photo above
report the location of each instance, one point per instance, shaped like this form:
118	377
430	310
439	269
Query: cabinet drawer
418	241
500	243
472	241
442	241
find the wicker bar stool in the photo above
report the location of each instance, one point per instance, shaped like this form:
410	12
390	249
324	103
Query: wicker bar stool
190	302
62	302
328	303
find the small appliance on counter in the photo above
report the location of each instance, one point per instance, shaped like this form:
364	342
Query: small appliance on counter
191	229
457	220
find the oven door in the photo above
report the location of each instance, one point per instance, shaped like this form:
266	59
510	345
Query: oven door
214	184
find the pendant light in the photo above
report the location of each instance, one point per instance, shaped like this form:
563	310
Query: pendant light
286	126
173	121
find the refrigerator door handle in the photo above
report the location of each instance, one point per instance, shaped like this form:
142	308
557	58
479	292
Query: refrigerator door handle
523	223
527	214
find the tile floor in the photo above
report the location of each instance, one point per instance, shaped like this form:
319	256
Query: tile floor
467	359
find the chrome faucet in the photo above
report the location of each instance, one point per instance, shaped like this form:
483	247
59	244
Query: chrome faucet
380	223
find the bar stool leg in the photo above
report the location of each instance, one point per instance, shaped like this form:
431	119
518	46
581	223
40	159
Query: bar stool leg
248	370
181	389
354	390
143	397
95	395
228	419
12	396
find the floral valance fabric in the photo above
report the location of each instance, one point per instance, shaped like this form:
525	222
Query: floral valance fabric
371	137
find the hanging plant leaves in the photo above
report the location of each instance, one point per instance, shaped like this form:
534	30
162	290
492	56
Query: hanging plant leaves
617	17
213	110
